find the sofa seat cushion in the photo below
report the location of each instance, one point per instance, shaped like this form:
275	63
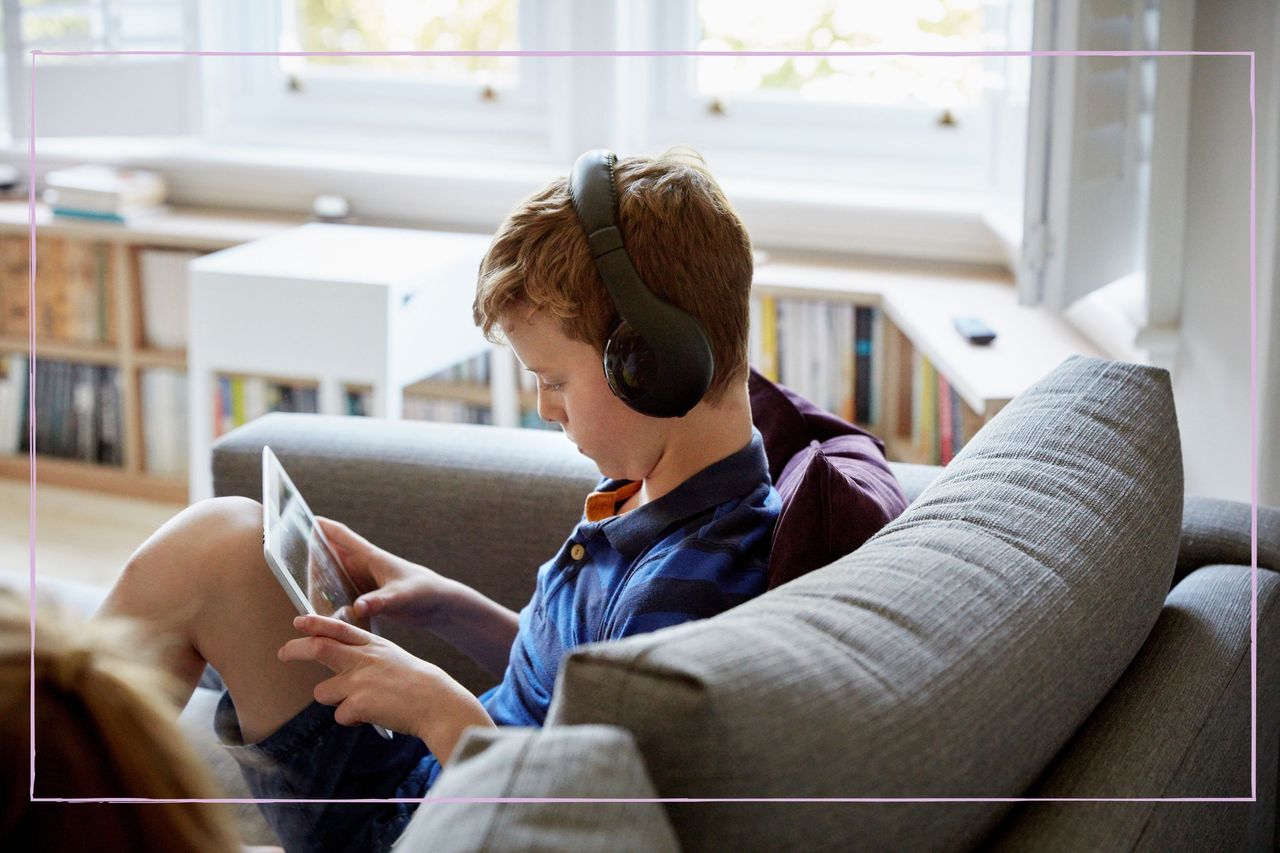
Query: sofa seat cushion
953	655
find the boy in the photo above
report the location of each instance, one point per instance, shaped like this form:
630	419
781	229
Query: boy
678	529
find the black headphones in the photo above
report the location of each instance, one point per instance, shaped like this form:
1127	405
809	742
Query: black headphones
657	360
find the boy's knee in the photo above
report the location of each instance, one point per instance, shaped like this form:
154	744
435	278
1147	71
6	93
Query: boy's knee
200	539
232	515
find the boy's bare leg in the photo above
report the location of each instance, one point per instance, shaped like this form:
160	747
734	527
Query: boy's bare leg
201	582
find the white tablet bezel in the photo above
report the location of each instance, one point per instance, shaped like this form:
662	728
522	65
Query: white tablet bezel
273	474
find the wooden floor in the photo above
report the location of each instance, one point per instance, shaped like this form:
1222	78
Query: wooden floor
80	535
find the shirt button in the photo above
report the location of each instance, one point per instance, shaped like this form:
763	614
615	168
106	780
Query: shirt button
577	552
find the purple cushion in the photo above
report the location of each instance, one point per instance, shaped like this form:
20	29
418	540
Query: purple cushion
835	484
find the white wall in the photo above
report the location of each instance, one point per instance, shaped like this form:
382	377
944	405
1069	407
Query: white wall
1211	374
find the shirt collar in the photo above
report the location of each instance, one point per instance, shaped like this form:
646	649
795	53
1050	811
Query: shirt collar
732	477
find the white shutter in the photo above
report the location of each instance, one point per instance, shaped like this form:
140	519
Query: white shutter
101	95
1089	155
1007	27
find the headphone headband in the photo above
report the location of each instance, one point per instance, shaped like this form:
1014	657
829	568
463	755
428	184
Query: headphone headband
658	361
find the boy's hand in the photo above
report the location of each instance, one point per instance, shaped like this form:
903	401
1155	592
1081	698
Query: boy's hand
392	586
376	681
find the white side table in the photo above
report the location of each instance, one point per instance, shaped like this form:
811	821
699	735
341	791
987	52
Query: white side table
338	305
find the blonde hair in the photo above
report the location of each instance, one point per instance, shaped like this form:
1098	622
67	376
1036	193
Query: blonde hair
684	239
104	727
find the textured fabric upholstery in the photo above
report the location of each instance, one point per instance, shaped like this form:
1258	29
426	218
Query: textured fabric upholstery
1177	725
579	761
1218	531
952	655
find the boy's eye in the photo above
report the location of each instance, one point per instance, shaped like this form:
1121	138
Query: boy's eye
552	386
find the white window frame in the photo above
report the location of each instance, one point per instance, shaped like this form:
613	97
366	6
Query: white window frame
854	145
248	99
93	95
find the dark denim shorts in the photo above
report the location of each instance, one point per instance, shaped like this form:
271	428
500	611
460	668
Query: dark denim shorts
313	757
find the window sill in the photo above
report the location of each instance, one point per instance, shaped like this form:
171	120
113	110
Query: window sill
475	194
1111	318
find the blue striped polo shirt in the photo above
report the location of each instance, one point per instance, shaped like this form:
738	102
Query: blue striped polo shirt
692	553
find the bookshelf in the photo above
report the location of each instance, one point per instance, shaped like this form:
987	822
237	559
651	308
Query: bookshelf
102	326
925	376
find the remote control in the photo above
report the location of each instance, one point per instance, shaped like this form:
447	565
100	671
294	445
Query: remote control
973	330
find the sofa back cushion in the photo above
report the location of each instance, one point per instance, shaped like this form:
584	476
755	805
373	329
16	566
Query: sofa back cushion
951	656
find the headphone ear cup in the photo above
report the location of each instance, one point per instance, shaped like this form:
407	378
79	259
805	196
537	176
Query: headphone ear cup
629	363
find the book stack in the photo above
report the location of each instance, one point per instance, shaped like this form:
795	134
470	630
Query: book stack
105	193
240	399
164	296
73	294
445	411
164	421
942	423
77	410
792	341
475	371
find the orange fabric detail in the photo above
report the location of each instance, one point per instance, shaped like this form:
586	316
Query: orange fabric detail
605	504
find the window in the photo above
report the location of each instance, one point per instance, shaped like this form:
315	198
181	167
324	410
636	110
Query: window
817	149
99	95
417	25
464	105
875	121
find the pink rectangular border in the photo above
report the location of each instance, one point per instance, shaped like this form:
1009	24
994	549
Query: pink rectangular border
1253	408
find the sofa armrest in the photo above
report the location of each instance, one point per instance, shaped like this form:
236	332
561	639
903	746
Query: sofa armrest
481	504
1218	532
1177	724
1214	531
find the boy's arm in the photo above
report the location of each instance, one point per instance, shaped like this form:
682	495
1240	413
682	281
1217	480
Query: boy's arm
476	625
406	592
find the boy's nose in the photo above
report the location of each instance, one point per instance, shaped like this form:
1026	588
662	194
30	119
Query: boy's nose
547	410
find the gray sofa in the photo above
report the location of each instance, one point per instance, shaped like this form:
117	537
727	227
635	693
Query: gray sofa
1049	619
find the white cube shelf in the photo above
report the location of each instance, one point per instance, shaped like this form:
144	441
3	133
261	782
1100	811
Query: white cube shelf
337	305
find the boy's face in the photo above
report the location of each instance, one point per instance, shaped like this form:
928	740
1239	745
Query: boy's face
573	392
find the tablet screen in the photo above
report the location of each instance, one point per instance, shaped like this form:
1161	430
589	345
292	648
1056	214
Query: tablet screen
296	544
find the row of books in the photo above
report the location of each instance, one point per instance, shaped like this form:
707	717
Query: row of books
240	399
74	289
73	294
941	422
164	421
792	342
77	410
445	411
472	371
163	282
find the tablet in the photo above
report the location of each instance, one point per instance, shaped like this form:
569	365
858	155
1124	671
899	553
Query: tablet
297	551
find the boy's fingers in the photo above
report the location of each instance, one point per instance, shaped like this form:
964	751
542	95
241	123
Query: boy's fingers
322	650
338	529
335	629
337	533
369	604
331	691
